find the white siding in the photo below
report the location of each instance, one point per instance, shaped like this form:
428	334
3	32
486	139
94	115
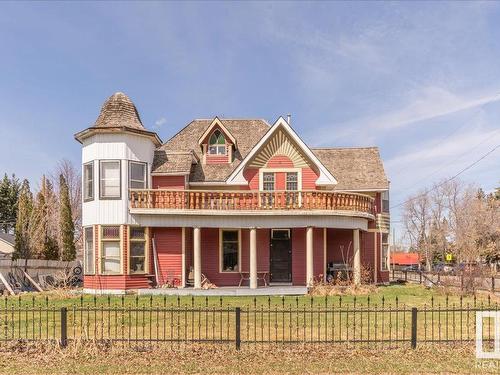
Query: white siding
122	147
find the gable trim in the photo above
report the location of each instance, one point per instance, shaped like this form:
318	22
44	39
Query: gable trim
325	177
214	123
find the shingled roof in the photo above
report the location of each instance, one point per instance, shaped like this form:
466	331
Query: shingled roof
118	115
119	111
354	168
247	132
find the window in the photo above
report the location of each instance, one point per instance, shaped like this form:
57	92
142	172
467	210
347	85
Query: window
137	248
89	252
385	252
280	234
110	250
292	181
268	181
230	250
385	201
88	181
110	181
137	175
217	143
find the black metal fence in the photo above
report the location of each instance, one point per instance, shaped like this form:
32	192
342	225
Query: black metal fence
289	321
462	281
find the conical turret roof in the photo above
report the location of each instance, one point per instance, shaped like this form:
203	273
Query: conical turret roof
119	111
118	115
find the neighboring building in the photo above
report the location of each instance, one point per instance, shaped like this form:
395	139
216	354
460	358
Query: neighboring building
229	199
404	259
7	242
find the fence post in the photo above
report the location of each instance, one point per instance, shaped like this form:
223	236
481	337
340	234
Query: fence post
420	281
64	327
406	276
493	284
413	327
238	330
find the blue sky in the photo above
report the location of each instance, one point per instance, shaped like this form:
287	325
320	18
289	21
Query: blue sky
419	80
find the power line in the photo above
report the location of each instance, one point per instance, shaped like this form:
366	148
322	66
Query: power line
449	179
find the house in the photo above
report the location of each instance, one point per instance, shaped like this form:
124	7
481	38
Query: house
7	242
231	200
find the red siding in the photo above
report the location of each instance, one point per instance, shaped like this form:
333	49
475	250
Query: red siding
252	176
318	253
279	181
169	182
298	256
216	159
280	161
169	250
368	252
309	178
339	245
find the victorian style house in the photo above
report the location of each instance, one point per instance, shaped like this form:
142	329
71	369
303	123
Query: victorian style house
239	202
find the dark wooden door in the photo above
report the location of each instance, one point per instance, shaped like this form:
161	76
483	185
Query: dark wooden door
281	260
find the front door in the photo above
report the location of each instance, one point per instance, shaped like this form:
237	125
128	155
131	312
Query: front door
281	256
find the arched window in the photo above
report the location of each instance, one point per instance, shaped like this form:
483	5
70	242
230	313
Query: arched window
217	143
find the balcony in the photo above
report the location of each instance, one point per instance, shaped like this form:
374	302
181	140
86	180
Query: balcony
249	201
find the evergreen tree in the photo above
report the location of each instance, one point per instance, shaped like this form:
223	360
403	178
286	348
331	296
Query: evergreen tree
44	244
9	194
66	225
22	248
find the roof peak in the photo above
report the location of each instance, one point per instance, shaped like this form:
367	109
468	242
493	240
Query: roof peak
119	111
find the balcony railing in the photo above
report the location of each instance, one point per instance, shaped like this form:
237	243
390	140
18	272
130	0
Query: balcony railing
249	200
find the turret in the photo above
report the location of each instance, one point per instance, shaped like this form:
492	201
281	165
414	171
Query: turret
117	155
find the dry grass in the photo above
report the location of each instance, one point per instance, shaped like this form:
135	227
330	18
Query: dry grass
214	359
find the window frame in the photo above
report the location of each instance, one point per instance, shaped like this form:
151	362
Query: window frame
101	162
145	165
268	182
101	249
145	240
296	174
384	197
384	266
85	268
221	249
217	147
84	181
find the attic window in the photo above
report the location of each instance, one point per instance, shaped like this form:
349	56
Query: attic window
217	143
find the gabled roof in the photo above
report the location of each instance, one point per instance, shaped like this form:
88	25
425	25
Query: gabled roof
247	132
325	176
355	168
216	123
118	114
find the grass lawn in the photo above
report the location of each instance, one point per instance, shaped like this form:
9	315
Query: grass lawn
253	360
404	295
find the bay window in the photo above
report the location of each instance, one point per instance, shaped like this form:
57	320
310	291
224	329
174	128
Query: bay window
88	181
385	201
110	179
137	249
230	250
137	175
110	250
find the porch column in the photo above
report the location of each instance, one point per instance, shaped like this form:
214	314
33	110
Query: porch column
309	256
253	258
197	257
357	258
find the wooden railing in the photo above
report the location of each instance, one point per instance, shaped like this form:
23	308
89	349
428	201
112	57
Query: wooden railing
250	200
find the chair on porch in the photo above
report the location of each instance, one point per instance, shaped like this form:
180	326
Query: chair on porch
261	275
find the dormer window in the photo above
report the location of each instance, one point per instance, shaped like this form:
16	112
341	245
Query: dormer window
217	143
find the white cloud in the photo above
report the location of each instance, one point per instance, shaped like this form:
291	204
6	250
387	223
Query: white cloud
159	123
